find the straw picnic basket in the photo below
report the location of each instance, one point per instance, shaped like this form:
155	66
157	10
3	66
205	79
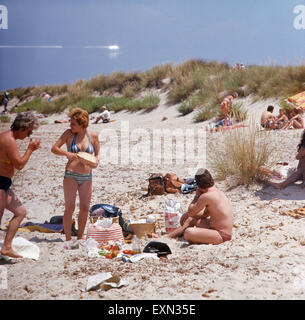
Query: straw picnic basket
141	229
87	158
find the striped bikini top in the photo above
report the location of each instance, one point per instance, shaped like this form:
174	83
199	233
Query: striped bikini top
75	148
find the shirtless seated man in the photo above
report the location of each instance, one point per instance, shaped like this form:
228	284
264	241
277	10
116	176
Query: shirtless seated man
209	202
268	120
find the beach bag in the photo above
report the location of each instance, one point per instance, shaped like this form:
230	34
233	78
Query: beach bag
156	184
172	183
105	234
172	215
109	211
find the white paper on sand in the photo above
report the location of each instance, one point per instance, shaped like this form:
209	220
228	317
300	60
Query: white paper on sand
96	280
143	255
139	256
24	247
100	281
109	285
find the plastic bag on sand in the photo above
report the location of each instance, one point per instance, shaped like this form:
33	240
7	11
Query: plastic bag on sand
172	215
24	247
92	248
91	243
105	281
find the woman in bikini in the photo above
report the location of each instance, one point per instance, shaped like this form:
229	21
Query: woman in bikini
78	176
296	121
282	119
226	108
299	173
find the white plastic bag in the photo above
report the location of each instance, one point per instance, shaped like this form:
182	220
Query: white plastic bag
105	223
172	215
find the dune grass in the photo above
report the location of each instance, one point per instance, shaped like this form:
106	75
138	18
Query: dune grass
116	104
193	84
209	84
242	155
5	119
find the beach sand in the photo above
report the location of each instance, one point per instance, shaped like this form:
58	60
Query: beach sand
265	259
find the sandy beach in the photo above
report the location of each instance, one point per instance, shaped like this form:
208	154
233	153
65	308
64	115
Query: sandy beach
264	260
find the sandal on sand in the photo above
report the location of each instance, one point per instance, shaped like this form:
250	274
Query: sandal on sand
71	245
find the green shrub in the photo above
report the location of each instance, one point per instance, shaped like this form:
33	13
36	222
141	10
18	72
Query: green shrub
5	119
206	113
188	106
34	104
150	102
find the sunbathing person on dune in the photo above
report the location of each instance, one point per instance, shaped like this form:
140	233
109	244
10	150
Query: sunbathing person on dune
299	174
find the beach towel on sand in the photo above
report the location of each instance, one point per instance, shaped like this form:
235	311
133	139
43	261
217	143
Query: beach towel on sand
237	126
24	247
298	100
43	227
55	225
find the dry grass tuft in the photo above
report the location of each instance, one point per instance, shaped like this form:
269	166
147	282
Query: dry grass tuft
241	153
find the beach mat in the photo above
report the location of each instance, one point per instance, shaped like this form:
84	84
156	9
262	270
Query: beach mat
107	122
62	121
296	213
43	227
229	128
298	100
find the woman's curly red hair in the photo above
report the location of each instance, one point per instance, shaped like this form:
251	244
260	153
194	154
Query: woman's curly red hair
81	116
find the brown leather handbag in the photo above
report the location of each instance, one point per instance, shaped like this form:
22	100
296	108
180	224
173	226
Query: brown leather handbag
172	183
156	184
